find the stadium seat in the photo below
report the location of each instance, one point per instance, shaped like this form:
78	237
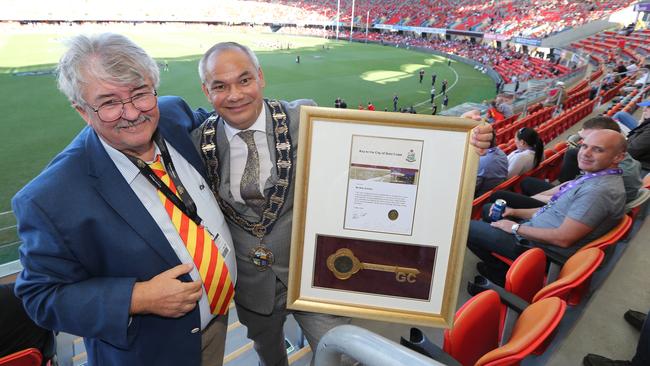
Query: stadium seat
527	274
548	153
530	334
574	278
633	207
463	342
611	237
528	281
26	357
560	146
475	336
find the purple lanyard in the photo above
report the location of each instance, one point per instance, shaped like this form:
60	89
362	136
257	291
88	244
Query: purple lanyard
576	182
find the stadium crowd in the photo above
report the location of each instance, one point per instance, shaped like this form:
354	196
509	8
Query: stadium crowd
531	18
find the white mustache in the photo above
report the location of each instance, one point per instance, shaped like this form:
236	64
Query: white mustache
127	123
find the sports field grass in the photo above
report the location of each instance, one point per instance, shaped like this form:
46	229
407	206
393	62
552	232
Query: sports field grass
37	121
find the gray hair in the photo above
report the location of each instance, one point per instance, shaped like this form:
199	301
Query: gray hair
219	47
108	57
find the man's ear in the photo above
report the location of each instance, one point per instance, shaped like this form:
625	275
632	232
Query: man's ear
260	75
205	91
83	112
620	157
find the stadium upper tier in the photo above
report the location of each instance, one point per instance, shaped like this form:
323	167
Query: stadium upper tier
532	18
537	18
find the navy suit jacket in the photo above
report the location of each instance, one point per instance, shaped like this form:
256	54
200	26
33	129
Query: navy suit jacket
87	239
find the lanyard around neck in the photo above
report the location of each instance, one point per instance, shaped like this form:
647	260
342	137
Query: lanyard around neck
184	202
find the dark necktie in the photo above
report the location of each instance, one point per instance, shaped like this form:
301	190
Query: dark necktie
250	180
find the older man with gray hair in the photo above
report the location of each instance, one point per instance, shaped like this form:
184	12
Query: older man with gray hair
123	244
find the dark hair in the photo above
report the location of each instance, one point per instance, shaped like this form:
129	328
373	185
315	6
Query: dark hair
531	138
601	123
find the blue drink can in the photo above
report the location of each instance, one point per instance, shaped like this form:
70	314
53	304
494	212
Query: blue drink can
497	210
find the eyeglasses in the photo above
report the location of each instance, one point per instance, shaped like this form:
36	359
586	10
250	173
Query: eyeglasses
112	111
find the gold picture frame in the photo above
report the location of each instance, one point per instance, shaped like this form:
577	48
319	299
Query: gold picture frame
371	234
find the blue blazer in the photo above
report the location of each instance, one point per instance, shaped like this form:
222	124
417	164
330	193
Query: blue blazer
87	239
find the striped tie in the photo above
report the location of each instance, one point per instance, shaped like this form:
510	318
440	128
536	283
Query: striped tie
199	243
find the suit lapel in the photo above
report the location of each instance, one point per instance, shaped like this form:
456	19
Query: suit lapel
270	138
110	184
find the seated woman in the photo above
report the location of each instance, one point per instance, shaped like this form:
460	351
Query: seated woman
529	152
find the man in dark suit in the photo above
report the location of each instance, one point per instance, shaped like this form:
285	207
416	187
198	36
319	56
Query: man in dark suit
102	259
246	131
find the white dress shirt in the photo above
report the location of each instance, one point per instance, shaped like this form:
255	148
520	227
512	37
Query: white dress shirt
206	205
239	153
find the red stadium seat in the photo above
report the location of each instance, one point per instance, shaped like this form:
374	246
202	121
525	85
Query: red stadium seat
26	357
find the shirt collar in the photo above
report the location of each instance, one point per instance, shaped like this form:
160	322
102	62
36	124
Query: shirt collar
259	125
128	170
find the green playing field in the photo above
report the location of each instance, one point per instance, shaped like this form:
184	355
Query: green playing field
37	121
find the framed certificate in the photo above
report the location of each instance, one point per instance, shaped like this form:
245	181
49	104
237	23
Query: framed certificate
381	213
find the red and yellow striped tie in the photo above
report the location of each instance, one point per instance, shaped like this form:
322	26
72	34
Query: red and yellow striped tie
199	243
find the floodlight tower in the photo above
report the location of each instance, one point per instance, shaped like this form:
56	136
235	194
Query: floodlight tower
352	21
338	15
367	21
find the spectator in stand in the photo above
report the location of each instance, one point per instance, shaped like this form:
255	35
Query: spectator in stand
515	81
493	114
529	152
558	93
593	90
371	106
504	105
608	80
577	213
537	192
628	120
492	170
638	140
643	79
632	68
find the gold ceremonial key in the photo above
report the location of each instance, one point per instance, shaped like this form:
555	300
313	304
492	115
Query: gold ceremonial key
344	264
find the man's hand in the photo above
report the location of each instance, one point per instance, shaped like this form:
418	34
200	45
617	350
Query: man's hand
506	212
165	295
481	137
505	225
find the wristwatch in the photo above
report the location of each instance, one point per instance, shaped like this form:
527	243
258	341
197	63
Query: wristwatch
514	229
